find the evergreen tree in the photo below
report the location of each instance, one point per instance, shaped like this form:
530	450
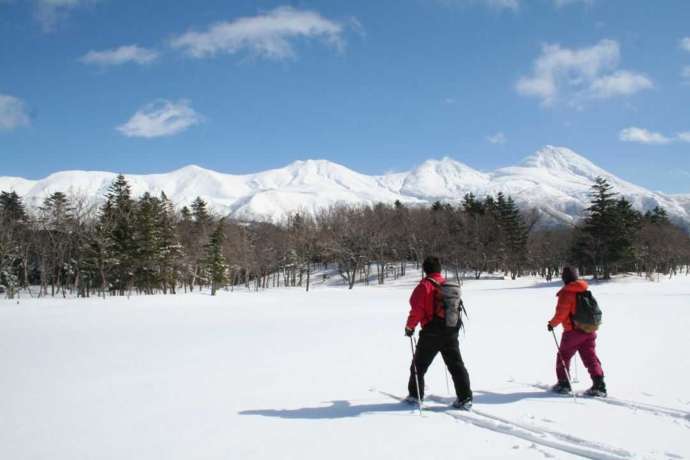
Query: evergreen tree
215	261
147	240
657	215
628	222
185	215
11	207
514	232
185	232
471	205
606	237
57	210
14	244
54	244
199	233
118	224
200	212
170	249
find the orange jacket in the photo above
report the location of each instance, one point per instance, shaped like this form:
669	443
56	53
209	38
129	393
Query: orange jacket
567	302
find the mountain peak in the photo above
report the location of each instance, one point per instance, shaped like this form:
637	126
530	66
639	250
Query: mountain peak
191	169
442	179
559	160
449	167
315	165
555	180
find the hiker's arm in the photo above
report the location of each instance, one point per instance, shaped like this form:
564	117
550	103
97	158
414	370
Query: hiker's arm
562	311
417	302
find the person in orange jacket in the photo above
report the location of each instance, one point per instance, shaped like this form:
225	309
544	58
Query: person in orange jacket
575	340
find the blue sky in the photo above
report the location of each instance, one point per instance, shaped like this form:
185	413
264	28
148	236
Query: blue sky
241	86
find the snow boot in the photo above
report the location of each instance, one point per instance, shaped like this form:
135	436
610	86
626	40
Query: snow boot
464	404
598	389
411	400
562	388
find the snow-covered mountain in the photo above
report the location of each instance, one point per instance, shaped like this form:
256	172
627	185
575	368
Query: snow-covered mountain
554	180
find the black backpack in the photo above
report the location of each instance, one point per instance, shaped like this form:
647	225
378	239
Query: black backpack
587	316
448	304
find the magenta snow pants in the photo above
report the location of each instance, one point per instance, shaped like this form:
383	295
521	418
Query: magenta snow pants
584	343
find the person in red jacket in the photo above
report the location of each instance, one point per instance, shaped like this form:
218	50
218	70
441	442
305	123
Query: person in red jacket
434	337
575	340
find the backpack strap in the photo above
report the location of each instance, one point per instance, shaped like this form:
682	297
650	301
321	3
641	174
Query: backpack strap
433	281
437	285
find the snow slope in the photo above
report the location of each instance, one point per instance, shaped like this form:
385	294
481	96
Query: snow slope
554	180
294	375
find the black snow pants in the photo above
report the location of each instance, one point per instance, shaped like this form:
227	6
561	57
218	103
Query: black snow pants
430	343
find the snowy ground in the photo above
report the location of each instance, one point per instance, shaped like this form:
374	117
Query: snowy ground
294	375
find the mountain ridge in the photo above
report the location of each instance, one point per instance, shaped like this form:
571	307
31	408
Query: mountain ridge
554	180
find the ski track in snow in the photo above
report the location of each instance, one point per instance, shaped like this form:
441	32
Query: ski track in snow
634	405
537	435
195	376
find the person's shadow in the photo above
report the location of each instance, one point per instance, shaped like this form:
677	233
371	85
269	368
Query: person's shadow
345	409
337	409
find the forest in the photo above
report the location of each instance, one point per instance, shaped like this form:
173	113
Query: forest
147	245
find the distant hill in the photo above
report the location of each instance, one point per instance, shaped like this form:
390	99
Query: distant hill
555	180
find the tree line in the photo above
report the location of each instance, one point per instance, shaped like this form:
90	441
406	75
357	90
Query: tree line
146	245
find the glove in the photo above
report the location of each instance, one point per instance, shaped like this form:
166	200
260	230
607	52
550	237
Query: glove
409	332
549	327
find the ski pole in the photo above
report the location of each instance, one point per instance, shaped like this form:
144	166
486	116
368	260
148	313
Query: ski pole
413	346
447	383
576	377
567	372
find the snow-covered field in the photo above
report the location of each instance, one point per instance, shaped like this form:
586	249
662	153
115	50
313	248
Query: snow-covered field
285	374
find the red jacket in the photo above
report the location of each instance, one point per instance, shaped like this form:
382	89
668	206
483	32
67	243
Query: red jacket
422	301
567	301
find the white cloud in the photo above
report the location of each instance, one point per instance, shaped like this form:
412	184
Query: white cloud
13	113
577	74
449	101
685	43
495	4
686	73
161	118
503	4
50	12
620	83
511	4
498	138
562	3
119	56
642	136
268	35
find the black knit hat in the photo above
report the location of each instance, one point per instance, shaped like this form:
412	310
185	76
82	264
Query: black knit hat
569	274
431	265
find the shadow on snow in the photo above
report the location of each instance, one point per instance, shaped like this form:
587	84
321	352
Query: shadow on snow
345	409
337	409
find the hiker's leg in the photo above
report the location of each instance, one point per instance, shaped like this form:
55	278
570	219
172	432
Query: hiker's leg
588	354
453	359
569	345
427	347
